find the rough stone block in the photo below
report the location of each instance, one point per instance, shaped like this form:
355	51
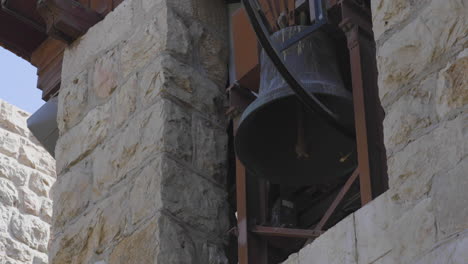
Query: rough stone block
373	226
73	100
30	202
12	170
337	245
13	119
449	196
106	73
209	149
411	113
15	250
9	143
411	170
387	14
8	193
124	102
413	233
31	231
78	142
450	251
72	193
418	45
452	85
117	26
40	183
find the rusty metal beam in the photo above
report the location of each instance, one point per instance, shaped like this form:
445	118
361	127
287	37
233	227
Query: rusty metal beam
337	201
285	232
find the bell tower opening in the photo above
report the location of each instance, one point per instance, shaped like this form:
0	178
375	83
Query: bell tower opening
307	121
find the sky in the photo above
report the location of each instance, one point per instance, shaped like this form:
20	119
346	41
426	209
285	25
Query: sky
18	82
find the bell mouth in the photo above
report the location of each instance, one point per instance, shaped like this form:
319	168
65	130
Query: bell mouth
266	141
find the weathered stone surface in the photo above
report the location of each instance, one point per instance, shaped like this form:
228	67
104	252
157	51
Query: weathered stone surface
26	169
414	232
8	193
452	85
70	202
404	56
449	199
387	14
373	226
105	76
12	119
450	251
209	149
124	102
409	115
40	183
337	245
83	138
12	170
102	36
72	100
411	170
31	231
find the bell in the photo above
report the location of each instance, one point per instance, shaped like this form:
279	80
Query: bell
281	141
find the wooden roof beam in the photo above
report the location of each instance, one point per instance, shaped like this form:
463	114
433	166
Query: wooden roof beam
67	20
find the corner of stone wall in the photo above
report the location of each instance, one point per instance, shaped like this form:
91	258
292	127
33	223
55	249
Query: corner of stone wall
142	150
27	172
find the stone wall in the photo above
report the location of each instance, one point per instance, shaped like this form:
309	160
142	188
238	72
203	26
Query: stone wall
27	172
422	55
141	157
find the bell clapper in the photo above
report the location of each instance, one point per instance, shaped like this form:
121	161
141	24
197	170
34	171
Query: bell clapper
301	149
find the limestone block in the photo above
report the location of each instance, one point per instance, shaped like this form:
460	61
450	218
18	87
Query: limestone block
166	127
124	102
46	210
450	251
30	202
141	247
193	199
213	53
70	202
72	103
40	183
411	170
147	41
209	149
13	119
34	156
8	193
69	246
117	26
79	141
30	230
9	143
449	198
145	196
418	45
373	226
113	160
15	250
337	245
452	85
5	215
413	233
168	76
12	170
387	14
105	76
7	260
40	259
410	114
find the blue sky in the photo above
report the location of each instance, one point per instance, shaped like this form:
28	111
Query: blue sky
18	81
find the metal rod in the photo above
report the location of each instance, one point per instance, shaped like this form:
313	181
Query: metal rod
285	232
337	200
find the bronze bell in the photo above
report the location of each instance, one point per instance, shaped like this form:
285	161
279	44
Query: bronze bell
277	138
